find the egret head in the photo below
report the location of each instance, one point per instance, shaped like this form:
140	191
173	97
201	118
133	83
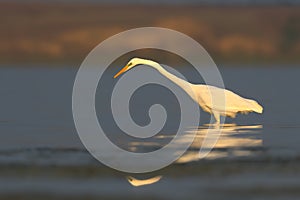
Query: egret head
132	63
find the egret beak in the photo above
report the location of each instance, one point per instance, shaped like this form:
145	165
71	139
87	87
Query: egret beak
121	71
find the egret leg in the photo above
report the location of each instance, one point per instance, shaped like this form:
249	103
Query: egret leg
217	117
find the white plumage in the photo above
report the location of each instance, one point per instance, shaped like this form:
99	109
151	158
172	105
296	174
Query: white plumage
233	103
223	103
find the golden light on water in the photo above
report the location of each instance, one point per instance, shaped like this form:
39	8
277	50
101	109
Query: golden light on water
233	141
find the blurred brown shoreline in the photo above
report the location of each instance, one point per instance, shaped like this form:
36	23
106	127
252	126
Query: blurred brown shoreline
64	33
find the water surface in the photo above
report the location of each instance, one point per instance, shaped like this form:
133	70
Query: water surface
257	156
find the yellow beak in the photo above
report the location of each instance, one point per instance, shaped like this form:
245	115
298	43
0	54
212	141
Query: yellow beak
121	71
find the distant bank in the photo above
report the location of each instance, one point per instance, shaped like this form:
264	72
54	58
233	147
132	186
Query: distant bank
66	32
172	2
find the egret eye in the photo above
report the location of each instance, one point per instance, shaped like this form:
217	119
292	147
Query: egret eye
129	64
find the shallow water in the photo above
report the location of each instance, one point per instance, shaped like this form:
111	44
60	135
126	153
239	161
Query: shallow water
256	156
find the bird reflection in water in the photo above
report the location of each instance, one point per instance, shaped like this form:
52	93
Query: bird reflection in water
140	182
232	141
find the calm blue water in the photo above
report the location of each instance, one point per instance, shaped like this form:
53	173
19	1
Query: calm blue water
257	156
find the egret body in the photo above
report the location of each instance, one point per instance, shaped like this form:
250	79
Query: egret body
204	94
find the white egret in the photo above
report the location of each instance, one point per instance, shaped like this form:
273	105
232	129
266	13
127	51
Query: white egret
203	94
